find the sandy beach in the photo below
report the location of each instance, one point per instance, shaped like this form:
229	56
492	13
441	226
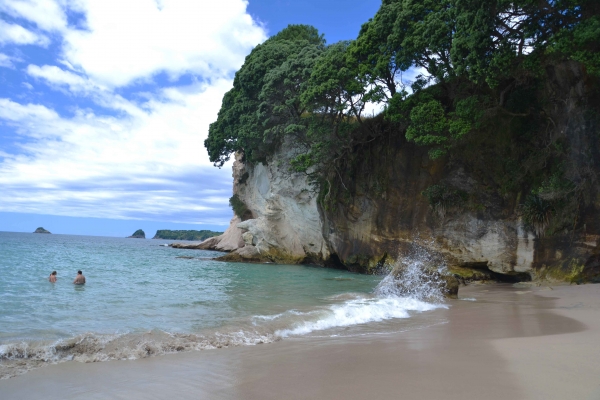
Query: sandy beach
498	342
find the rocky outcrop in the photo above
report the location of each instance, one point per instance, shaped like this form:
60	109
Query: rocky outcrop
283	224
286	225
230	240
139	234
41	230
381	211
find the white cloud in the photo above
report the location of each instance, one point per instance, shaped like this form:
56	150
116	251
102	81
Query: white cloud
118	167
127	158
16	34
59	77
16	112
142	39
8	61
46	14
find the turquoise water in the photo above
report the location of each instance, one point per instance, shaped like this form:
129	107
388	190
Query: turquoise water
143	299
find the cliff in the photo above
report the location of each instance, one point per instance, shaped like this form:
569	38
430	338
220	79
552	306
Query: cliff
391	196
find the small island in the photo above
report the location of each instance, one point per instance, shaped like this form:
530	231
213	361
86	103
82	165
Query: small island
185	235
139	234
41	230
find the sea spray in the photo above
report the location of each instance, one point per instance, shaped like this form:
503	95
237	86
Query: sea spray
416	282
419	274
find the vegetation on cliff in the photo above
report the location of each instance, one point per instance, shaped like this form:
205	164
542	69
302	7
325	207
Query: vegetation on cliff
185	234
239	207
473	81
139	234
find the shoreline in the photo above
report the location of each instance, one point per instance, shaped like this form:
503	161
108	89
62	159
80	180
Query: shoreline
510	343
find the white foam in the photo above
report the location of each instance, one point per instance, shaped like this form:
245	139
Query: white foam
360	311
276	316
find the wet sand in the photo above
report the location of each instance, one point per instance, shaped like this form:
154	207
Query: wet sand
527	343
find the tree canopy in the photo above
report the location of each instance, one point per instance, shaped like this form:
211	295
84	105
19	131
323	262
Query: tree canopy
441	69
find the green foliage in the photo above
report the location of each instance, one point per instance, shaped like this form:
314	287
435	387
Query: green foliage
264	95
442	198
493	38
481	91
138	234
581	43
238	206
536	213
244	178
555	187
185	234
428	125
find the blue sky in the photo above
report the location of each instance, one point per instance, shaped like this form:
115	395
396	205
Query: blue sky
105	105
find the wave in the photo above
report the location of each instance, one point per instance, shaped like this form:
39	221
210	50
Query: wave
20	357
356	312
345	310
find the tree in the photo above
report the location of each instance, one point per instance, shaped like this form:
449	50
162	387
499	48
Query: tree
240	126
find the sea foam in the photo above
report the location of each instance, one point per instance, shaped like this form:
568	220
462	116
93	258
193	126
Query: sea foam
359	311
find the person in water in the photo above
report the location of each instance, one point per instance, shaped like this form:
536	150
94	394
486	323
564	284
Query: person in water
79	279
52	277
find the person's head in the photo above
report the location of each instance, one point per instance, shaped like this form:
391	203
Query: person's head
53	273
79	272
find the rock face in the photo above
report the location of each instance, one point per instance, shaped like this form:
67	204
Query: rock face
41	230
287	225
381	212
139	234
283	224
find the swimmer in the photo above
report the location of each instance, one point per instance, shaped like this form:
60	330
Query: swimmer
79	279
52	277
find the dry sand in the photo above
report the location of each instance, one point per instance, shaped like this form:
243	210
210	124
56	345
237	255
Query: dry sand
528	343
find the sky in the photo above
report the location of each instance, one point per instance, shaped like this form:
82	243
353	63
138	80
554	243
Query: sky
105	105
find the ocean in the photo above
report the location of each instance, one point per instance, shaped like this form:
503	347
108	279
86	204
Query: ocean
143	299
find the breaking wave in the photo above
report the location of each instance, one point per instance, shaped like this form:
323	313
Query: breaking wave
355	312
344	310
20	357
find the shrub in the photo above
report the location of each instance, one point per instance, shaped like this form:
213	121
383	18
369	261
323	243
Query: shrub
238	206
536	213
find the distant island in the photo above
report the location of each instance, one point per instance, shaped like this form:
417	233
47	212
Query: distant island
185	235
139	234
41	230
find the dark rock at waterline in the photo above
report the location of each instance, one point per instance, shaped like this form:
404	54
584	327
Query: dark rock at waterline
245	254
41	230
423	282
139	234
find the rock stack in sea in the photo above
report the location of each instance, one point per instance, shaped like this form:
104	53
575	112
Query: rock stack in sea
41	230
139	234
